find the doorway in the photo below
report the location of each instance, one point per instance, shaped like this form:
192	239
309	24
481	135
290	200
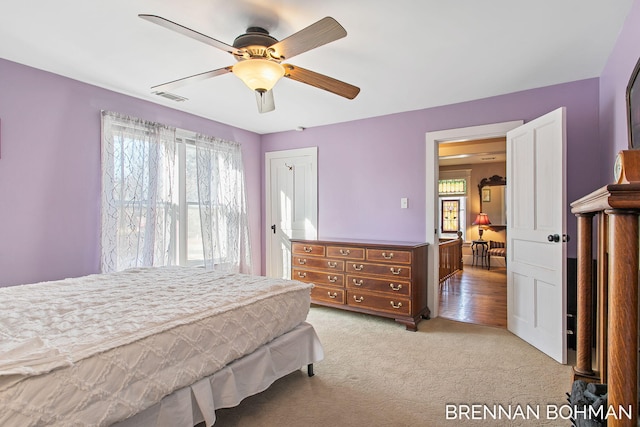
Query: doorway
433	141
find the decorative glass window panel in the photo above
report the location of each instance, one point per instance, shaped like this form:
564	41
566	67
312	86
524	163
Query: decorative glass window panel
452	186
450	216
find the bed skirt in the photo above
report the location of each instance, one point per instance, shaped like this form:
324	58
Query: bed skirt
226	388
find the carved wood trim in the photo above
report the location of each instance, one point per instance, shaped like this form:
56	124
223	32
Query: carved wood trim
492	181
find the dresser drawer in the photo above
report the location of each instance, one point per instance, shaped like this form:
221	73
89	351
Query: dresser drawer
386	255
379	285
390	304
345	252
318	277
317	263
401	271
327	294
308	249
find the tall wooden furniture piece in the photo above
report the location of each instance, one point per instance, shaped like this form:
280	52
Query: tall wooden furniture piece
386	279
616	208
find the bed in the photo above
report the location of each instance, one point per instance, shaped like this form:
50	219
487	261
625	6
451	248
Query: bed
148	346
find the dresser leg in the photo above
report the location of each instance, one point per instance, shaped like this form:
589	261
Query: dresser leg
412	323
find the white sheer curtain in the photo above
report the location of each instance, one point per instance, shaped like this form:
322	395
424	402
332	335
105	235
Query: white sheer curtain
138	183
223	205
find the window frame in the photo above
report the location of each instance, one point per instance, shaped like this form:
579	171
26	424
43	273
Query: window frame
464	204
184	139
455	202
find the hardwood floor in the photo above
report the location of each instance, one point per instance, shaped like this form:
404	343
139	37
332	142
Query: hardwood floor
476	295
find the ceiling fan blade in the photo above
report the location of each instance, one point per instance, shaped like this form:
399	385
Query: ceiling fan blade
265	101
191	79
321	81
189	33
322	32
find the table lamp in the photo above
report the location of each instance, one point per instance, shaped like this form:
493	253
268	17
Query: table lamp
482	220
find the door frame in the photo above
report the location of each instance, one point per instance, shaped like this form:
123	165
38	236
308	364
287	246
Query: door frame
283	154
433	139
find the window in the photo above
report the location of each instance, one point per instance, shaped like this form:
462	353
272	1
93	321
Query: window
171	197
190	248
452	188
450	216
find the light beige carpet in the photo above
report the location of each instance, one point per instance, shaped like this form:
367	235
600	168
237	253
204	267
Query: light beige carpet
375	373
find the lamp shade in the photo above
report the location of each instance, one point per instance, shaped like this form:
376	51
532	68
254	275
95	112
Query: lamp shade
259	74
482	219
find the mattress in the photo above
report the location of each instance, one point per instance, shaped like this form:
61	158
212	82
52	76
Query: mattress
97	350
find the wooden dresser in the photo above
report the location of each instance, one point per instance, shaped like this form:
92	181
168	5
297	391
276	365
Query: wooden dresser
386	279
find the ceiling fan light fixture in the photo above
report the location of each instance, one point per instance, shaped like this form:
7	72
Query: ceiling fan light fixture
259	74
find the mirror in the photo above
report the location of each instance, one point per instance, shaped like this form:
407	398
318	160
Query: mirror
493	200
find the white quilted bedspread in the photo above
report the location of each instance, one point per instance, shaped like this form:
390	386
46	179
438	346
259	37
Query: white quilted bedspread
98	349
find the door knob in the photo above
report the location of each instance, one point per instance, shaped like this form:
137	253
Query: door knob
553	238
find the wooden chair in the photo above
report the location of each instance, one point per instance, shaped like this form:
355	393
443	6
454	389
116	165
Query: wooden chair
496	249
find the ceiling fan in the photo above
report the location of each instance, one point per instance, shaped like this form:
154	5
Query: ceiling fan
260	57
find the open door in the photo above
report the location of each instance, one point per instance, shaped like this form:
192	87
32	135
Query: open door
536	218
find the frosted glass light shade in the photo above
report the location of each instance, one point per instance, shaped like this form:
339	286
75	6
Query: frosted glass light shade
259	74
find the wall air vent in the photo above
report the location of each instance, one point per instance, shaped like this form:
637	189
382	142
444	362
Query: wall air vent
171	96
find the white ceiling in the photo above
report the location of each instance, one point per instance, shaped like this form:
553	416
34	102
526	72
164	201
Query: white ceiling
404	54
491	150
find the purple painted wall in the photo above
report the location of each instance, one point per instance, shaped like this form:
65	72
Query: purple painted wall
613	85
50	160
50	171
366	166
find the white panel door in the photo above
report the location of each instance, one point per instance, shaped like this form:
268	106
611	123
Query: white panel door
291	203
536	220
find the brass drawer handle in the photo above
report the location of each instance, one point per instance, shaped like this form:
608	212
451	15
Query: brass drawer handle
395	288
345	252
332	264
333	280
332	295
358	268
358	300
385	256
302	261
395	271
358	282
395	306
306	249
302	274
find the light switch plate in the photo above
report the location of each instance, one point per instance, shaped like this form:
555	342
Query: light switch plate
404	203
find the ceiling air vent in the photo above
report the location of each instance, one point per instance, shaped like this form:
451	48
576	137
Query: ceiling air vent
171	96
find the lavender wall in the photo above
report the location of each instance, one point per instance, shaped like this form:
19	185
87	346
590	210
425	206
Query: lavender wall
50	171
50	159
366	166
613	85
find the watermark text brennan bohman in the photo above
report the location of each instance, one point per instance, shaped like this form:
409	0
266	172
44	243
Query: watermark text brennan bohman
535	412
